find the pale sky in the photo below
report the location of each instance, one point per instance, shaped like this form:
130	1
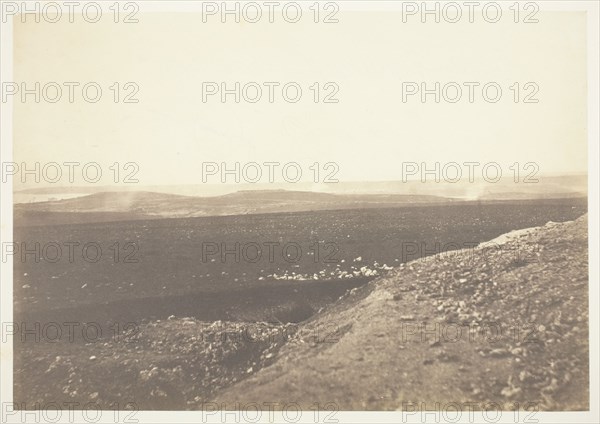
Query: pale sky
170	132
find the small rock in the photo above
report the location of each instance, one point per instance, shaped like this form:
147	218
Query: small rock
510	392
525	376
552	387
498	353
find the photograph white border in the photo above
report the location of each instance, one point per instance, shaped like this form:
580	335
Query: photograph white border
592	416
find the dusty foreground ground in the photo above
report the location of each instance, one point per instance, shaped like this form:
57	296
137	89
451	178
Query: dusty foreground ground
521	303
506	322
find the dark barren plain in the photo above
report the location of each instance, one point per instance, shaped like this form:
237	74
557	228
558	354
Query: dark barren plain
182	326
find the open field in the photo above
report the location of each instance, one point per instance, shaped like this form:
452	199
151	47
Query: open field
177	328
191	340
170	265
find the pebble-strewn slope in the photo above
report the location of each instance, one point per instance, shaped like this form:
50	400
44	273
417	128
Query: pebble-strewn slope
506	322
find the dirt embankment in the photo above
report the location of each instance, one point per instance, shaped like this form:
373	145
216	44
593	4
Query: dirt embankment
506	322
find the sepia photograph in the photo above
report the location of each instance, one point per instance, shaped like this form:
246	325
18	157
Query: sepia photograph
299	211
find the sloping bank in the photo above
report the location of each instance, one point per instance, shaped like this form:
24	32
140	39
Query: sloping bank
505	322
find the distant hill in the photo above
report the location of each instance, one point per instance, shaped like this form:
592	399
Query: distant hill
546	186
110	206
55	205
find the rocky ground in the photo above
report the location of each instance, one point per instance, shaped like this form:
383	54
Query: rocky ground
506	322
171	364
